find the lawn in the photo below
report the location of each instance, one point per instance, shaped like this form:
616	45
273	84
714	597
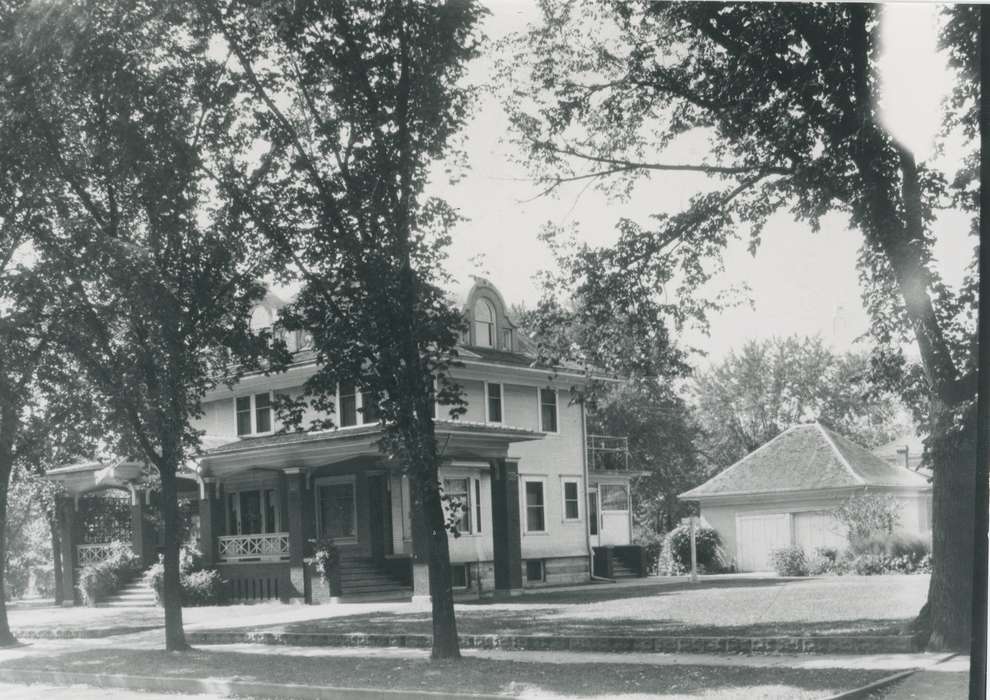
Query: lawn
848	605
469	675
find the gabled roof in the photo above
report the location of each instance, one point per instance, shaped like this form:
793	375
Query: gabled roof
805	457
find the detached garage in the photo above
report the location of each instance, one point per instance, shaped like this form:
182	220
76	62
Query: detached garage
783	493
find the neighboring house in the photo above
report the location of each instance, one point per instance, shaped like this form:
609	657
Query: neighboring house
537	494
782	494
906	450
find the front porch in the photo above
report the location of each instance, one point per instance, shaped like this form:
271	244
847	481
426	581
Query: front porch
264	501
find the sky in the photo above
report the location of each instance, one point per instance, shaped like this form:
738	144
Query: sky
800	282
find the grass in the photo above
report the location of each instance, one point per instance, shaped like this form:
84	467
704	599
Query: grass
880	605
469	675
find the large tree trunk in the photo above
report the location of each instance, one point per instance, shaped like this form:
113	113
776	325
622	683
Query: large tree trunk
445	643
175	638
946	622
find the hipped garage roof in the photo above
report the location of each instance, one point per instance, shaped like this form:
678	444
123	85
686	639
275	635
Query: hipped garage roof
806	457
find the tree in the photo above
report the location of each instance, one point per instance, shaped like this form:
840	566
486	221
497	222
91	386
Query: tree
108	105
751	397
786	96
354	102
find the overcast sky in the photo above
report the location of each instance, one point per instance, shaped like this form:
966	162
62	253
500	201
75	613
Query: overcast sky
800	282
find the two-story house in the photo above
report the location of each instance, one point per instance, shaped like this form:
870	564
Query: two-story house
537	494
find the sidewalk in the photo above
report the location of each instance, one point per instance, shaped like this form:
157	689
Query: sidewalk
946	681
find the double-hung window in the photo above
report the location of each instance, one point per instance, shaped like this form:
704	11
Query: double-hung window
494	392
536	517
458	493
548	410
347	406
571	493
254	414
484	323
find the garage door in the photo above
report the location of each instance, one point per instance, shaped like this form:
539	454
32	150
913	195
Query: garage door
756	536
818	529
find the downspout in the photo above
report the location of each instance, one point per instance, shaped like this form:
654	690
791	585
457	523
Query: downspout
587	485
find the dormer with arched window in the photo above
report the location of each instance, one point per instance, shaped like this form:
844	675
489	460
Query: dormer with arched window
489	325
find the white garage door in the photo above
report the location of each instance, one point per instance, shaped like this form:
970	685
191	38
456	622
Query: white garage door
818	529
756	536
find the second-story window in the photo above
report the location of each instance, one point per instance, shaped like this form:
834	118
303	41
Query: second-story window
369	407
348	405
484	323
254	414
494	403
548	410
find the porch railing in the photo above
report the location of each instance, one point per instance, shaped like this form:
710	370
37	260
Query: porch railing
271	546
95	553
608	453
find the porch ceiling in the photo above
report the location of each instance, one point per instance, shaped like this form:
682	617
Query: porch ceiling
93	475
458	440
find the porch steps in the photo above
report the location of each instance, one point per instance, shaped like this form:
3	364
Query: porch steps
361	576
136	594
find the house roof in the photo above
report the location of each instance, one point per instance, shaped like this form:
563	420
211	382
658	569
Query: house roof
893	451
806	457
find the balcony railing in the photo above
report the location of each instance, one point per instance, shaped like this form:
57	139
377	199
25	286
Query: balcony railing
608	453
95	553
272	546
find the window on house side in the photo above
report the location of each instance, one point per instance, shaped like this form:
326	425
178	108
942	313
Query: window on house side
571	501
348	405
494	403
460	576
548	410
534	570
263	413
244	415
535	511
484	323
369	407
458	493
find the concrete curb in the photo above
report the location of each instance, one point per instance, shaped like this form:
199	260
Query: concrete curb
666	645
866	690
222	687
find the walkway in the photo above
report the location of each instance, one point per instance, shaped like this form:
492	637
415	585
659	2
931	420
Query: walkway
945	681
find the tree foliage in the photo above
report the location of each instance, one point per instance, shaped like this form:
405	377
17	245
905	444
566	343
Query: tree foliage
353	102
755	394
108	105
785	98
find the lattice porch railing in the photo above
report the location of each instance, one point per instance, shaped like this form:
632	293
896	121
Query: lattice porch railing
272	546
95	553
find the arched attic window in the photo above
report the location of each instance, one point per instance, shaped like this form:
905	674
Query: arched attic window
484	323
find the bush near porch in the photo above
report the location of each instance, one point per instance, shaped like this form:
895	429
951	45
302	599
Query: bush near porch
101	580
200	585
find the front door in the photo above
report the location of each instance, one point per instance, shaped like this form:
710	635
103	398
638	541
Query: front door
614	504
337	511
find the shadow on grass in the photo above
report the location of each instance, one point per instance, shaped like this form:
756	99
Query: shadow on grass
606	591
469	675
542	621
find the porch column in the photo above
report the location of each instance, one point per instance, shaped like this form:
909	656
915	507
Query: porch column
67	528
420	550
210	520
142	532
295	487
506	533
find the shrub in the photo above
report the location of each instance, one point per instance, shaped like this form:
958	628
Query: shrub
326	561
652	544
790	561
203	587
899	553
870	564
824	561
675	554
98	581
866	515
199	585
